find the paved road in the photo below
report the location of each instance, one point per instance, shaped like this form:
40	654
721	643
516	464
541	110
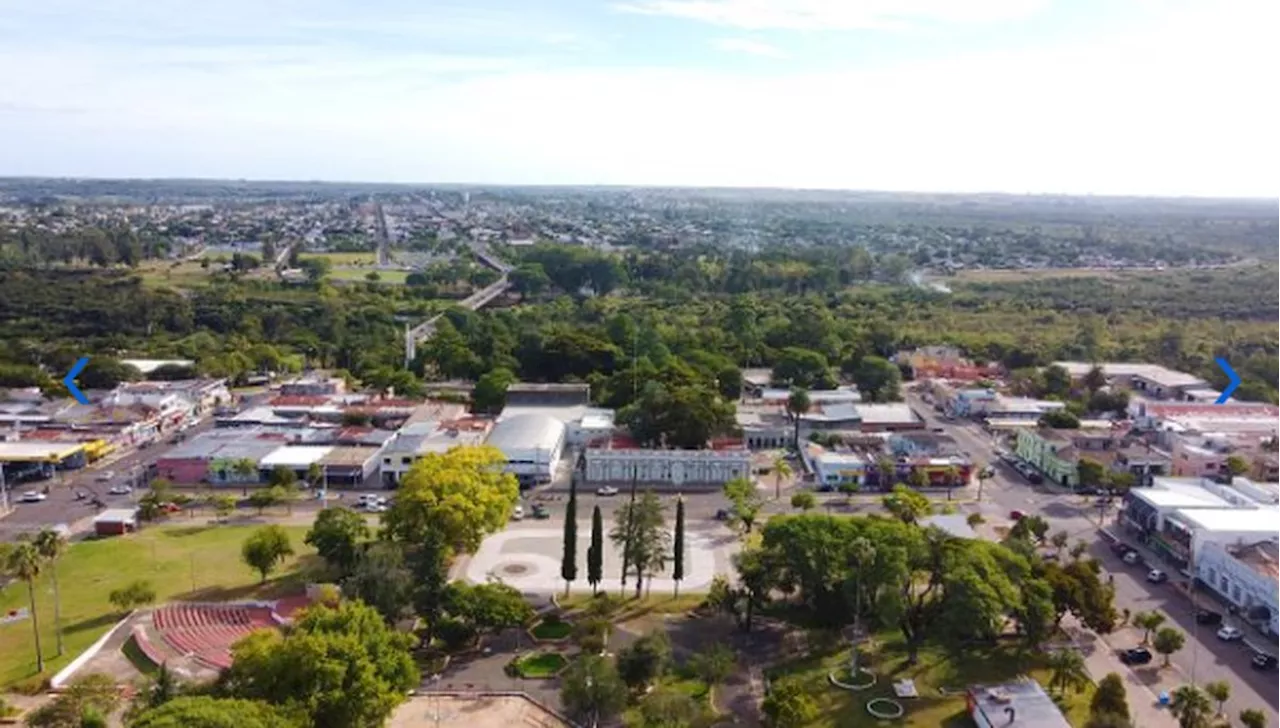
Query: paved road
1204	658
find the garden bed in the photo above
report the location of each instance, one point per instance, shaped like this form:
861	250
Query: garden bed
538	665
551	630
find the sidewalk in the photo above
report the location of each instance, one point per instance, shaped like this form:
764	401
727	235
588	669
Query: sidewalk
1142	684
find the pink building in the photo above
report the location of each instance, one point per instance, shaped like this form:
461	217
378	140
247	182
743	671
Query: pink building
1192	460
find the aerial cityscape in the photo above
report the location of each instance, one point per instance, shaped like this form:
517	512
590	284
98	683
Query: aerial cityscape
639	364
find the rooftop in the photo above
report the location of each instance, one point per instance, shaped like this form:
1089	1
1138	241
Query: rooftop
117	515
146	366
295	456
1262	521
348	455
27	451
1262	557
1179	499
893	413
1030	705
1160	375
527	432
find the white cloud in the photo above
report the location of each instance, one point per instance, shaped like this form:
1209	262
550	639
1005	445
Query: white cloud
748	46
834	14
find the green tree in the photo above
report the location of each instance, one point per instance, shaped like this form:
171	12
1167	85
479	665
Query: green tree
789	704
336	535
223	506
878	380
592	691
529	279
714	664
745	503
265	549
798	404
1190	706
569	555
669	707
781	469
646	660
1067	671
1060	420
595	552
1253	718
23	562
1236	465
283	477
487	607
906	504
677	556
640	531
1091	472
82	703
1220	692
339	667
490	392
1109	699
203	711
1168	641
136	594
462	494
1148	622
382	579
51	545
804	500
315	475
264	498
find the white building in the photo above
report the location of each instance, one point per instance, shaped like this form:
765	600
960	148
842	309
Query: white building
1245	576
532	445
416	440
620	462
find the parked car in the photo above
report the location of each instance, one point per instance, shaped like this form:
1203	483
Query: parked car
1035	478
119	490
1156	576
33	496
1136	656
1263	661
540	512
1120	548
518	513
1131	557
606	490
1208	616
1230	634
106	477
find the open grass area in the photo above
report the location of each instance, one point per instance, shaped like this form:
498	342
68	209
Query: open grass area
363	257
393	277
935	670
546	630
175	274
540	665
623	609
182	562
1032	274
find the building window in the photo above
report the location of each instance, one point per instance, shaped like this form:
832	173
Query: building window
405	461
1235	593
1223	585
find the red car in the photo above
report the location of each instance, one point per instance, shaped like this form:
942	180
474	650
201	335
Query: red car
1016	515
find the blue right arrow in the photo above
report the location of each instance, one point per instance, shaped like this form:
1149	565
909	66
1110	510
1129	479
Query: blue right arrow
1231	375
70	383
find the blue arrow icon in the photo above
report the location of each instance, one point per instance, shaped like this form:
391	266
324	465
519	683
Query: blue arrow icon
1231	375
70	383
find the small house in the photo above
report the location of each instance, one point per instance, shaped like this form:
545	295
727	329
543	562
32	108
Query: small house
116	522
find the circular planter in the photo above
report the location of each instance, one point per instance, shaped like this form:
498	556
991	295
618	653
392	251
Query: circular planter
853	686
885	709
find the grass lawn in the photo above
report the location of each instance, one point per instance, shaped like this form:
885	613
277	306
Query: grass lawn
623	609
195	562
165	274
1000	275
690	686
395	277
552	630
363	257
540	665
934	670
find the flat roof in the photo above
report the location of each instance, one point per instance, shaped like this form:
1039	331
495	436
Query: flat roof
295	456
26	451
1179	499
1232	520
348	455
887	413
1032	706
117	515
146	366
1156	373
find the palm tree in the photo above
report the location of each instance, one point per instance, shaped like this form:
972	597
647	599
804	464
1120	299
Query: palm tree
1220	691
952	478
781	469
798	403
984	474
50	544
24	563
1148	622
1067	670
1191	707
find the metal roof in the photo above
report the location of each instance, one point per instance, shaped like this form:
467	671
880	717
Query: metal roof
527	432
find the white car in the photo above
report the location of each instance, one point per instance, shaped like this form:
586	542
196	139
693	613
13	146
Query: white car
105	477
374	507
606	490
1130	557
1229	634
518	513
32	496
119	490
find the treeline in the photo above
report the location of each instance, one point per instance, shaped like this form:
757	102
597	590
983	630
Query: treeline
100	246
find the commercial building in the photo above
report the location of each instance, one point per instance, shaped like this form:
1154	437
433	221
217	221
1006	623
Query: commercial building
888	417
349	466
532	445
619	460
221	457
1176	517
417	440
1150	379
1246	576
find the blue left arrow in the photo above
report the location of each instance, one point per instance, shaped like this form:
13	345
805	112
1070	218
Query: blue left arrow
70	382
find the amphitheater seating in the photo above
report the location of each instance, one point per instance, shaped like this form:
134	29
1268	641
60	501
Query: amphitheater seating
205	632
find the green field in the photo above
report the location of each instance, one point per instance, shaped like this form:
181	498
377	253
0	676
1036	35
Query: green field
934	670
181	562
175	274
396	277
363	257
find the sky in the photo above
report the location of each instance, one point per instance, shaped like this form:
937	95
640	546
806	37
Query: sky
1142	97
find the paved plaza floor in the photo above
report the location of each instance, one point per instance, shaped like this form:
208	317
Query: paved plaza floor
527	556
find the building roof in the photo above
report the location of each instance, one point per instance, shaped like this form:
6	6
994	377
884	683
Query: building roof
146	366
1031	705
527	432
893	413
348	455
1160	375
1262	557
117	515
1191	409
295	456
25	451
1262	521
1179	499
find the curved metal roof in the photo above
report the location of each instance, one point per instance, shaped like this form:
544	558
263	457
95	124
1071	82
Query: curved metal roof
527	432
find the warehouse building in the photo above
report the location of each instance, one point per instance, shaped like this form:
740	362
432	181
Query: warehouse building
532	445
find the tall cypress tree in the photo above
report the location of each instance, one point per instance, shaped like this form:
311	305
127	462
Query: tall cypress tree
677	559
629	535
595	552
569	560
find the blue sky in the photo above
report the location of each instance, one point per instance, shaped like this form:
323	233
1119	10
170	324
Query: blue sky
1074	96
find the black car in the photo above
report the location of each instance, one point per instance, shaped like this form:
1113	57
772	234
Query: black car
1208	616
1136	656
1263	661
1120	548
